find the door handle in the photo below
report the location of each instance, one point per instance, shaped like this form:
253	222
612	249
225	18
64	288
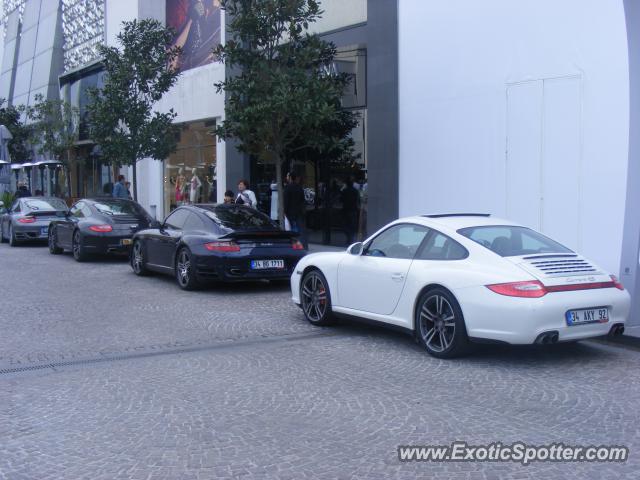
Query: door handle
397	276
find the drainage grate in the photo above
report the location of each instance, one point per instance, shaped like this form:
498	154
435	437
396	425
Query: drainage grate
172	351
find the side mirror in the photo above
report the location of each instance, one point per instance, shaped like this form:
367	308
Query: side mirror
355	249
155	224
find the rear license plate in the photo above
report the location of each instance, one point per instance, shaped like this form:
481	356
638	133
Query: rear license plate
125	241
44	231
266	264
587	315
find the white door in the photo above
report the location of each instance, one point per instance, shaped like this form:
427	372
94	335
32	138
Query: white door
373	282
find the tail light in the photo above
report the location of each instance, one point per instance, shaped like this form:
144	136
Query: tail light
101	228
617	283
296	245
222	247
27	219
529	289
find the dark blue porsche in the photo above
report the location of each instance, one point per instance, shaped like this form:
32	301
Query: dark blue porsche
205	243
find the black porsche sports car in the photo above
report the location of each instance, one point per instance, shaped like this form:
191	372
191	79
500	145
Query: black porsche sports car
98	225
208	242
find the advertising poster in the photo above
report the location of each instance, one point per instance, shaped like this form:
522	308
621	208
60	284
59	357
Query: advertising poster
197	26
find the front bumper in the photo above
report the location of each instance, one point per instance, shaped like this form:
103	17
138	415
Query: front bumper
489	316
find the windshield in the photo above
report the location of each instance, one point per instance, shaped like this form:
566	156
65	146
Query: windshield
239	217
508	241
119	208
45	204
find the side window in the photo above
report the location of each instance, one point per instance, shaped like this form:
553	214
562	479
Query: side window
16	207
441	247
177	219
399	241
86	211
76	210
194	223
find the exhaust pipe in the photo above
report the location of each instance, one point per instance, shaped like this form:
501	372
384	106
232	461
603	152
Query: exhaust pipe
616	330
547	338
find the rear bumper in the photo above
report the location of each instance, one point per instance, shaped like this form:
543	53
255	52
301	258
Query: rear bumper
106	243
490	316
31	231
231	268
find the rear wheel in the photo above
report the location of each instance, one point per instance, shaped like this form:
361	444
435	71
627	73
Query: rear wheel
54	249
439	324
138	259
185	271
79	253
13	241
316	298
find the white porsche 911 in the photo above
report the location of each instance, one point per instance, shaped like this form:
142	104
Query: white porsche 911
455	278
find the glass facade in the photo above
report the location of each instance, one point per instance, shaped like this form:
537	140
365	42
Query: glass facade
190	172
333	214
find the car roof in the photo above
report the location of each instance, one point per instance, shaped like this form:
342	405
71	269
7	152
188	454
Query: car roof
457	221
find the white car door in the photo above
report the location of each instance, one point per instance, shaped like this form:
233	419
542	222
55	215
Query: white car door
373	282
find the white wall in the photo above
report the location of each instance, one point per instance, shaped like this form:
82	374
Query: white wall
116	12
339	14
562	69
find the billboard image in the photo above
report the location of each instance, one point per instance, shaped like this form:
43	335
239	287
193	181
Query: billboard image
197	26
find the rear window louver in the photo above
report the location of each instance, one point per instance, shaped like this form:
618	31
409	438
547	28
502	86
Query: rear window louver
564	267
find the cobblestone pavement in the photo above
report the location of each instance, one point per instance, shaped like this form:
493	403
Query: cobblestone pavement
104	375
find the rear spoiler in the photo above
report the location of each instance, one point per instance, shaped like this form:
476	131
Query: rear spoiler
45	213
276	234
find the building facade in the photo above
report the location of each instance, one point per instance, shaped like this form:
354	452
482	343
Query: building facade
526	110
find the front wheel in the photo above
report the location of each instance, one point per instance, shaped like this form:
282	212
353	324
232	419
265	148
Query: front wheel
138	260
440	327
185	271
54	249
79	253
316	298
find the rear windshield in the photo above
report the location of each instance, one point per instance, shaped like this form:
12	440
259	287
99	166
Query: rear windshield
238	217
45	204
114	207
508	241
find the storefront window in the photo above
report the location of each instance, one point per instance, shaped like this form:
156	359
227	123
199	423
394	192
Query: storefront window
190	172
335	192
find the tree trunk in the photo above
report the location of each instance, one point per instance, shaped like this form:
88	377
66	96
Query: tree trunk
278	162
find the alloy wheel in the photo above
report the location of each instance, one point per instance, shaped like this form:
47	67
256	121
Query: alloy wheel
315	299
437	323
183	268
136	261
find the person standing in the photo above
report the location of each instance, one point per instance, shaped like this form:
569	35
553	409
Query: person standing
228	197
127	186
349	197
119	189
246	196
294	206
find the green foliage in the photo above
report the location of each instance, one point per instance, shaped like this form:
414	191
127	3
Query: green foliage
284	99
7	199
11	117
137	75
53	127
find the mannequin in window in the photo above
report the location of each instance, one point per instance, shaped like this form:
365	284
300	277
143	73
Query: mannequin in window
179	186
196	183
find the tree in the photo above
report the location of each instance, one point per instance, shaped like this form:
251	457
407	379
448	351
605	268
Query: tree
11	117
53	127
137	74
283	98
